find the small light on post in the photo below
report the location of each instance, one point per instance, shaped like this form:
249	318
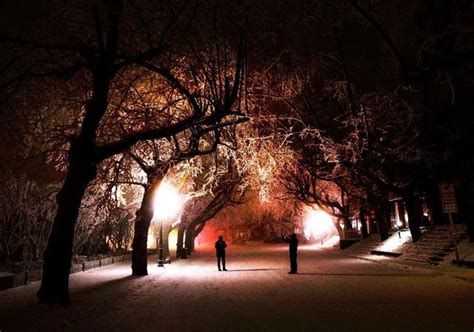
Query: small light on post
399	224
167	204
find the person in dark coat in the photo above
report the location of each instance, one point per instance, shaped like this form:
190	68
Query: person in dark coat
220	252
293	248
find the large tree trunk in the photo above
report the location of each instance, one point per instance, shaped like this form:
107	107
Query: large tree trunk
401	213
143	221
414	211
339	229
180	241
140	236
363	229
465	200
82	169
387	214
434	203
380	216
58	254
189	240
166	243
347	223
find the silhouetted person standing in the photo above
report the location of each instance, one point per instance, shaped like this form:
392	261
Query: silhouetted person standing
293	248
220	253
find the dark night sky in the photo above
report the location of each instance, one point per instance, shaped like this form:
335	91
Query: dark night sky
295	31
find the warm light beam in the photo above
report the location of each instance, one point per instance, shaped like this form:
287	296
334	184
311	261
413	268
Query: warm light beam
167	202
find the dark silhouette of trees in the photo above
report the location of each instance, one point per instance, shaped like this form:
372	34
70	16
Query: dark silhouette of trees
26	215
120	45
371	99
373	135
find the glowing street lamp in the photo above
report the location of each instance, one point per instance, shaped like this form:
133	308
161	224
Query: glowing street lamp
167	204
318	224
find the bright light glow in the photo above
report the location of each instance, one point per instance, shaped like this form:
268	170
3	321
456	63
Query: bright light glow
172	240
318	224
167	203
151	239
395	242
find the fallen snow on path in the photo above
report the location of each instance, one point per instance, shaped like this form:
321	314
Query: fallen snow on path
332	292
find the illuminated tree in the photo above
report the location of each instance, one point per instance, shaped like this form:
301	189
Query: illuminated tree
26	215
104	223
107	60
155	161
220	187
344	134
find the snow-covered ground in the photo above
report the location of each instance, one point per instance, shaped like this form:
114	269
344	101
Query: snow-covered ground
331	293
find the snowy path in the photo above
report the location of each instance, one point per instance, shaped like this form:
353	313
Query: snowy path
332	292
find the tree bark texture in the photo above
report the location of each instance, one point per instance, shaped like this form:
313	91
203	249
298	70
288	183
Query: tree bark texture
140	235
58	254
414	211
465	200
189	240
363	222
180	241
401	213
166	243
380	216
434	204
82	169
142	224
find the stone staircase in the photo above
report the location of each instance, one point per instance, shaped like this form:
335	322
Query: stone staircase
364	246
434	245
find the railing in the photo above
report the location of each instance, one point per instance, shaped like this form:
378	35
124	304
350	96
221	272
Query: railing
24	278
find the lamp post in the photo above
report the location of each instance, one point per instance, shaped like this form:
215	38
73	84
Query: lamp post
168	203
160	247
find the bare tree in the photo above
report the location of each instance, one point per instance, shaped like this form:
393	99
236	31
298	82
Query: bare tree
114	52
201	209
26	215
